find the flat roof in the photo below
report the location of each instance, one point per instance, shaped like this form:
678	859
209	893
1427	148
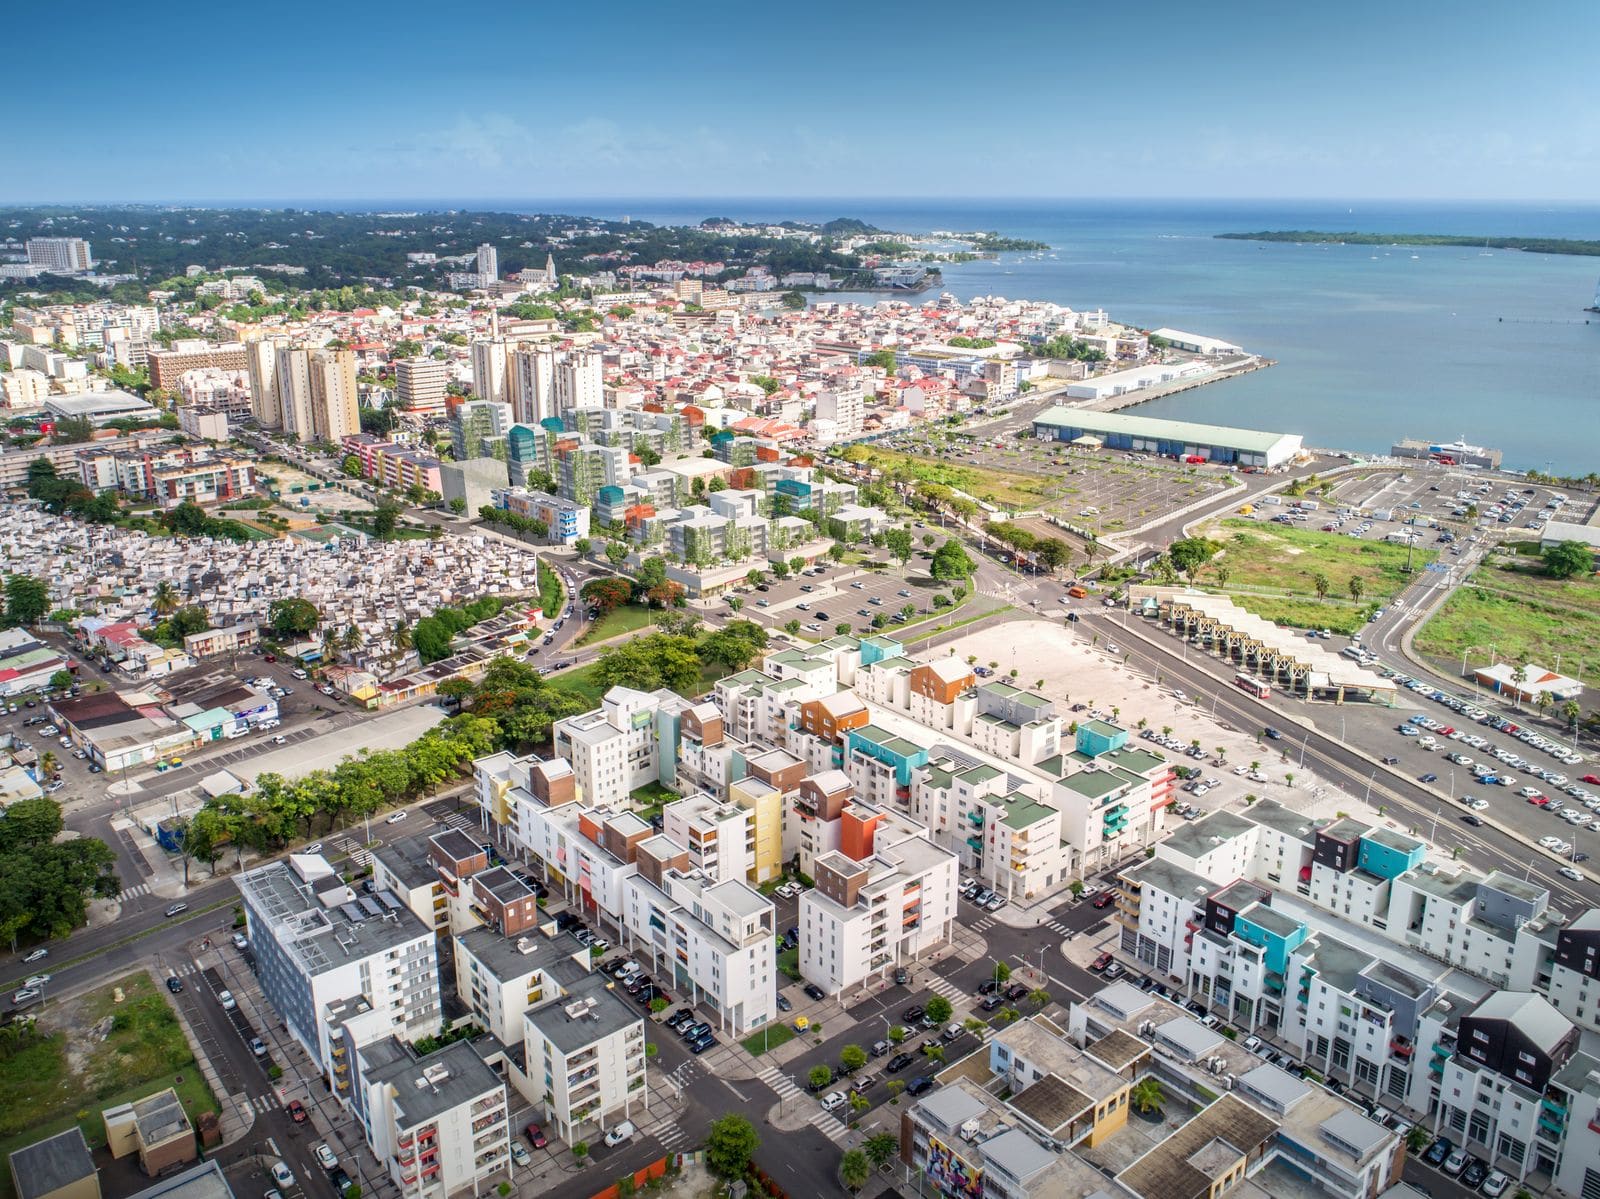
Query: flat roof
589	1012
1254	440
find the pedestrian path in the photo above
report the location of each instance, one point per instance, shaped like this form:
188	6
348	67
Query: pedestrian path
825	1122
940	985
357	854
460	822
133	892
1056	926
779	1082
264	1104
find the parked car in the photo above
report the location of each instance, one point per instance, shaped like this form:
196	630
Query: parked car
615	1136
535	1136
899	1062
326	1158
282	1175
815	992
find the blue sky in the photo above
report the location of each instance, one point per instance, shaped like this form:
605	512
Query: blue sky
533	100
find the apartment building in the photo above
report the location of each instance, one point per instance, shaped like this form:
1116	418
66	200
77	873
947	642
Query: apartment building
615	749
500	978
530	382
584	1062
719	837
61	255
478	429
885	897
420	385
431	875
711	940
1253	1122
320	947
291	375
437	1123
584	468
335	402
567	521
816	810
1517	1088
169	365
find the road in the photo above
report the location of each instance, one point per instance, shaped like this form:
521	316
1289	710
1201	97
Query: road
1317	745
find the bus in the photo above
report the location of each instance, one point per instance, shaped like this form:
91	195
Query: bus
1248	682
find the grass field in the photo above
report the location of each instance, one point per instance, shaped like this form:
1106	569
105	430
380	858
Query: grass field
582	682
94	1053
772	1035
1524	615
1012	489
1271	569
621	620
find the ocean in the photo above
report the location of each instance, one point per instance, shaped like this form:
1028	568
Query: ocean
1372	343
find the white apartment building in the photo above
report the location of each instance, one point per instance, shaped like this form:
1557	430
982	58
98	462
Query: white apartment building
439	1124
883	909
489	360
844	407
613	749
711	941
320	946
584	1062
578	380
420	385
488	264
500	978
530	381
292	376
719	837
63	255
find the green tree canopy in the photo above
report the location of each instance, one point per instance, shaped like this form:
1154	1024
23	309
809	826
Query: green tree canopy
1567	559
27	599
951	563
730	1144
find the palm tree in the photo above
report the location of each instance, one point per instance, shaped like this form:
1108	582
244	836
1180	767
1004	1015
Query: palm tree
880	1148
352	639
1222	572
1320	584
166	599
47	763
1358	587
401	636
854	1170
1147	1095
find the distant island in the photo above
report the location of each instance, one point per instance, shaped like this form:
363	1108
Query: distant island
1531	245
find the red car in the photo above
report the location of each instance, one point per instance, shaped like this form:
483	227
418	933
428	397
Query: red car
1592	779
1101	962
297	1111
271	657
536	1136
1539	801
1105	899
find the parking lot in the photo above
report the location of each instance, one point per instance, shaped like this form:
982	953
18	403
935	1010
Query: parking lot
866	600
1457	500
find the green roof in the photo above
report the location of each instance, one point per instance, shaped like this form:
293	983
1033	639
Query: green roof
1252	440
1022	812
1092	784
1131	757
890	741
1103	728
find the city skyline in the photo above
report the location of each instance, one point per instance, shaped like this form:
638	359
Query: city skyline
852	103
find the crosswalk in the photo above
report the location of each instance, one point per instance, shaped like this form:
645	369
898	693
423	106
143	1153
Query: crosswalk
184	969
1056	926
681	1075
982	925
667	1131
357	854
460	822
940	985
825	1122
133	892
265	1104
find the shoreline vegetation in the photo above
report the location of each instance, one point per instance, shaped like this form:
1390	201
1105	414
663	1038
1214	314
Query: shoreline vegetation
1531	245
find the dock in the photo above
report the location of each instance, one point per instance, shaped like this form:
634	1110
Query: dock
1133	398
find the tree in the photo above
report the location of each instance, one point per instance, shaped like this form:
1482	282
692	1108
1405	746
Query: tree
606	594
1189	552
796	565
1358	587
852	1058
1417	1138
1002	972
793	300
352	466
646	663
616	552
541	480
1039	996
951	564
819	1077
881	1148
897	1033
1320	584
293	617
61	680
581	546
854	1169
1567	559
939	1009
385	519
899	543
165	599
730	1144
580	1150
27	599
458	505
1147	1095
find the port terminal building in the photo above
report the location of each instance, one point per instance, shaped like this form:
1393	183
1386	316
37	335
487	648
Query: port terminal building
1173	438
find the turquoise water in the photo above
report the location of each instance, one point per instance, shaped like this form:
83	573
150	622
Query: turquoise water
1372	344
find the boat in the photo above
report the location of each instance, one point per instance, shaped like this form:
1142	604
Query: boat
1486	252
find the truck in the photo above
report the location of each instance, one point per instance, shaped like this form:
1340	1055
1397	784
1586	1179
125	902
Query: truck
1308	505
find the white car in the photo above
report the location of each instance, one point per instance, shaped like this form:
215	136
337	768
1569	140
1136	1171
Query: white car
1569	872
36	980
282	1175
833	1100
397	817
226	999
615	1136
520	1155
1495	1184
326	1157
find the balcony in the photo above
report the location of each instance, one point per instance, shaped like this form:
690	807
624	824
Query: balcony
975	843
1441	1050
976	818
406	1141
1401	1048
1552	1127
1554	1107
1437	1066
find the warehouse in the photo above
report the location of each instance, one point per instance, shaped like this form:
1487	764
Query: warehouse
1172	438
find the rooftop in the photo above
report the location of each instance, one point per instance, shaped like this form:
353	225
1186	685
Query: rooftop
427	1087
589	1012
50	1164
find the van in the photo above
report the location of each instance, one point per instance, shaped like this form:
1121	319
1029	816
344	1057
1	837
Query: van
1077	592
299	674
